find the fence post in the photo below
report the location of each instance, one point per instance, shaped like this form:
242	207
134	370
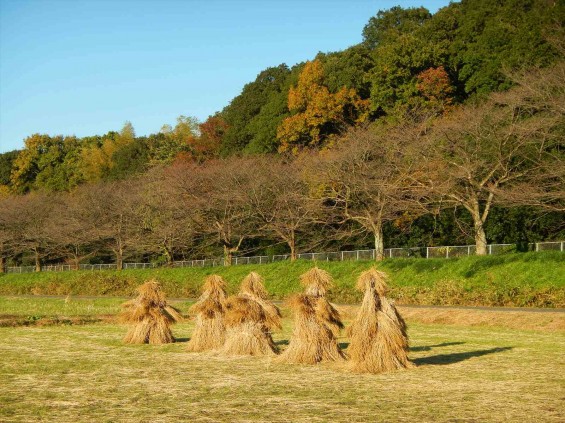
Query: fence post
447	252
342	254
357	255
490	249
561	246
537	246
427	252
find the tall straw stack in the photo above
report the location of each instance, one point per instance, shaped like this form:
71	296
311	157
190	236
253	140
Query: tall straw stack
209	328
379	342
150	316
252	287
316	323
246	332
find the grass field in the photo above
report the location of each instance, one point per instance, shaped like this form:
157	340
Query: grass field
84	373
520	280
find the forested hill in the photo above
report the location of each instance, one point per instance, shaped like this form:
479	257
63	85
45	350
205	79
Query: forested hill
410	61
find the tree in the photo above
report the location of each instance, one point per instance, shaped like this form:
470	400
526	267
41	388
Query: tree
24	223
111	212
73	239
371	178
175	141
279	199
317	113
497	151
388	25
168	222
50	163
270	85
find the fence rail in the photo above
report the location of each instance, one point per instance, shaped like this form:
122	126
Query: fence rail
408	252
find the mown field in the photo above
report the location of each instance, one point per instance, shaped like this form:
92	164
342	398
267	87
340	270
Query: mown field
475	366
520	280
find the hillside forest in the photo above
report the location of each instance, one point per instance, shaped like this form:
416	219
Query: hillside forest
437	129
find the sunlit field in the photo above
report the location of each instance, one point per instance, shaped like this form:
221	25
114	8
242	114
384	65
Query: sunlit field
71	372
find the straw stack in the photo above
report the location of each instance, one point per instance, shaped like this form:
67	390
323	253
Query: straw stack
316	323
379	342
209	329
149	316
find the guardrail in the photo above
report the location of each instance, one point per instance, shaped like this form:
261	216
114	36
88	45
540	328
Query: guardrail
419	252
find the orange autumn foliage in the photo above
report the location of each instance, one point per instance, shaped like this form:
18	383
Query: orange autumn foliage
318	113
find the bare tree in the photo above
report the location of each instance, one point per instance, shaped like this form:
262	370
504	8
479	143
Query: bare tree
112	214
215	193
279	199
168	223
372	178
7	240
72	238
491	153
24	222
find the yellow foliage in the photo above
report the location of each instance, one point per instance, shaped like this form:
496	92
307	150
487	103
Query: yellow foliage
315	108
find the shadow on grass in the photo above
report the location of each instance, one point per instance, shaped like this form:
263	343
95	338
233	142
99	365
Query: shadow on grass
429	347
182	339
282	342
343	345
442	359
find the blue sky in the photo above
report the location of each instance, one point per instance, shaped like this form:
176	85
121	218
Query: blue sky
81	68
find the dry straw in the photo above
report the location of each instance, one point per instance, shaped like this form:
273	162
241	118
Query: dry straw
246	331
252	287
316	323
150	316
379	342
209	328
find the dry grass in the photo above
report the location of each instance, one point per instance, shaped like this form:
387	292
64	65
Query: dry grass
149	316
209	330
312	340
465	374
253	288
379	341
247	333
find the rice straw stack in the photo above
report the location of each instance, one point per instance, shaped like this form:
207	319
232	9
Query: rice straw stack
379	342
316	323
149	316
209	329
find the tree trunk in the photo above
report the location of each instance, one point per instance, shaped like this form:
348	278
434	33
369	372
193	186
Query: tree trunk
119	259
37	262
168	255
227	256
292	245
2	264
379	243
76	263
480	239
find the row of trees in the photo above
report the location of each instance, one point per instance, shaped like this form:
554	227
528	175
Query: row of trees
507	151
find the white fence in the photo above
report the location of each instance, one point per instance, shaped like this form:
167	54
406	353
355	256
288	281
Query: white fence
421	252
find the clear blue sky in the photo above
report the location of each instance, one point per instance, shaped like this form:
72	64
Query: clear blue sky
77	67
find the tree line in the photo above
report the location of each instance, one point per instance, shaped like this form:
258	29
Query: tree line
372	184
435	130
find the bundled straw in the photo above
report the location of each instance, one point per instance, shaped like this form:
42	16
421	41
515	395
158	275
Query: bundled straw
312	340
252	287
316	322
316	282
149	316
246	333
379	342
209	328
